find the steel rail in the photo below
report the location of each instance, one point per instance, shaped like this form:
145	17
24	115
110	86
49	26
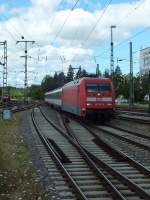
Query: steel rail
142	193
118	153
143	146
132	119
107	183
132	113
75	187
121	177
128	131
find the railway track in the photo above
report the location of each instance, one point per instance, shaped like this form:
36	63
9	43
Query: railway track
133	118
140	135
136	113
80	172
129	178
19	107
137	140
115	162
125	142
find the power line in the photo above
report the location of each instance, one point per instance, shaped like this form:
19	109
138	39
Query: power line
66	19
134	36
75	35
17	32
100	17
125	41
12	36
130	13
54	16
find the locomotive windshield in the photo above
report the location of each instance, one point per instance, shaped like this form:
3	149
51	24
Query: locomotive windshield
97	88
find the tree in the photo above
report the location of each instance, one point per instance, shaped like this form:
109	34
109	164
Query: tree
0	91
84	73
70	74
106	73
61	79
98	73
79	73
118	81
35	92
48	84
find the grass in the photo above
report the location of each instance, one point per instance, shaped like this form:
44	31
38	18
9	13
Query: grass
18	180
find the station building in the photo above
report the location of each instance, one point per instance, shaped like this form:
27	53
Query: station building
145	61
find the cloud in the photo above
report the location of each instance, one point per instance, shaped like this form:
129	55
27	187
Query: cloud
75	41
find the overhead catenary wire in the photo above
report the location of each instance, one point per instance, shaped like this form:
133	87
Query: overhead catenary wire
126	41
121	21
54	16
66	19
130	13
9	32
17	33
99	19
107	4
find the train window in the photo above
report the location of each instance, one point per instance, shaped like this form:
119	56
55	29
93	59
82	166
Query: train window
92	88
97	88
104	88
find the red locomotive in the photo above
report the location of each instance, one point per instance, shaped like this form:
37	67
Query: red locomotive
85	97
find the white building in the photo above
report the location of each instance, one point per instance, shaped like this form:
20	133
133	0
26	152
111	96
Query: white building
145	60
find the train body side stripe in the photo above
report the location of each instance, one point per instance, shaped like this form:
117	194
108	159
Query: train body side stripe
57	102
72	109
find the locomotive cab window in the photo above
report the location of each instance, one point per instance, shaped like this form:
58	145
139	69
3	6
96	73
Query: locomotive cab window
92	88
104	88
97	88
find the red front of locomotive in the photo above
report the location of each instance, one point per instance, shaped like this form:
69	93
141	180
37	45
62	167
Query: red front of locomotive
89	96
97	97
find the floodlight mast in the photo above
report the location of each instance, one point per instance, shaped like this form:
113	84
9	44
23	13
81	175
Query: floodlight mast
112	51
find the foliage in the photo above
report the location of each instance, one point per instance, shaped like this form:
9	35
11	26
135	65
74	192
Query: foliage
121	84
17	175
70	74
98	72
35	92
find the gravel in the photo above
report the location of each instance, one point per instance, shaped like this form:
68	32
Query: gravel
32	140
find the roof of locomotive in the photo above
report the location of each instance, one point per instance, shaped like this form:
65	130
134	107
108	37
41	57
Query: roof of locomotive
54	91
76	82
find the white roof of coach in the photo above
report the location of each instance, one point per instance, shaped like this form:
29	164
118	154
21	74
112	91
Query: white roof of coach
54	91
77	81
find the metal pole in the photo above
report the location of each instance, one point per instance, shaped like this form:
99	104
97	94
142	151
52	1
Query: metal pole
4	86
26	57
26	76
112	52
26	64
149	92
131	95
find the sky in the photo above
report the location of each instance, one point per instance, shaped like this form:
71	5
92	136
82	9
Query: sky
75	32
